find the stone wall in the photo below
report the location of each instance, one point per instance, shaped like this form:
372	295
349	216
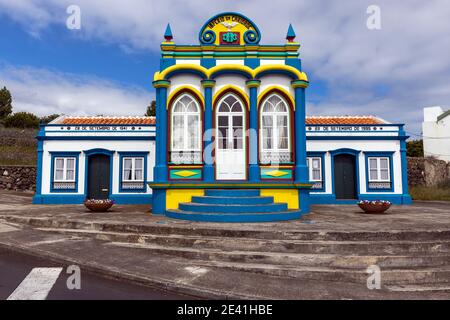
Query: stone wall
19	178
428	171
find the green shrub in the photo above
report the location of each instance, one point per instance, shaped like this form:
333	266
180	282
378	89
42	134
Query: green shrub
22	120
414	148
48	119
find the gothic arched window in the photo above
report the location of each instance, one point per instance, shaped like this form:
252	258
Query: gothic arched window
275	132
186	140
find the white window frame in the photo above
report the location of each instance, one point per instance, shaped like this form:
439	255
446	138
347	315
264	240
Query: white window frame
133	169
230	114
185	116
274	115
65	169
310	168
378	168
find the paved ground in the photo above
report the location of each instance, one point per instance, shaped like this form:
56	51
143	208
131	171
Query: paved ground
423	215
179	274
16	266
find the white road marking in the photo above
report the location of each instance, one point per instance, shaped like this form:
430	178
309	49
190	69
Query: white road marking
36	285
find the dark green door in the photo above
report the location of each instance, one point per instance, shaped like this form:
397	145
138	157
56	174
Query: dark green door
98	177
344	176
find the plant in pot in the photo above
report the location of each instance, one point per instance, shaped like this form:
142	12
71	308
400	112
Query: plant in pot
98	205
374	206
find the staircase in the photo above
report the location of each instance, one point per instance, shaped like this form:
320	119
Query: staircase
233	205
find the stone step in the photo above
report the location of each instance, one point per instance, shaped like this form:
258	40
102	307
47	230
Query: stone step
235	208
296	259
232	192
381	248
268	233
417	275
231	200
241	216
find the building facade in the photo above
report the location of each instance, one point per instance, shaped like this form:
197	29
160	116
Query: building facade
436	133
95	157
232	141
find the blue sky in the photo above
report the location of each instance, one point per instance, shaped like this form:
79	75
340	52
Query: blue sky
106	67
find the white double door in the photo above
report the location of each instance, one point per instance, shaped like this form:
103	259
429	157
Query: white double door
230	140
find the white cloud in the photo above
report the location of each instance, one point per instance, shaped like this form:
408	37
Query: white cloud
408	56
45	92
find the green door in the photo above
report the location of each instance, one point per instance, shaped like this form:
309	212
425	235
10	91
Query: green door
98	177
344	176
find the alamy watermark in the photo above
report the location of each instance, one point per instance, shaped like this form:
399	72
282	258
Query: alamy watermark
74	280
374	279
373	21
73	21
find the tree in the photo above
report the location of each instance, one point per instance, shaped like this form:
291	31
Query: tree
48	119
414	148
151	109
5	103
22	120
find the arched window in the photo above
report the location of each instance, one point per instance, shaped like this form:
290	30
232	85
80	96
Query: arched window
186	130
275	131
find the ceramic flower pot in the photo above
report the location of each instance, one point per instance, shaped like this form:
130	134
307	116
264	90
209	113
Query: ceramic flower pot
376	206
102	205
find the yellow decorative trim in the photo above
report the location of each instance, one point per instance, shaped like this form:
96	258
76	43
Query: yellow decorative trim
252	73
235	67
289	196
185	173
276	167
278	88
186	167
175	196
185	87
276	173
231	88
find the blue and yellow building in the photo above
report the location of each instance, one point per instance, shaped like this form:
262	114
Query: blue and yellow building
232	141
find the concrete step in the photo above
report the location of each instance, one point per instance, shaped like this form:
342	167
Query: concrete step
232	200
258	264
380	248
232	192
296	259
233	208
244	214
268	233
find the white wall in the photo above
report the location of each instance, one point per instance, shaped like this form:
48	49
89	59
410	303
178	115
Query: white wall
436	134
84	145
360	145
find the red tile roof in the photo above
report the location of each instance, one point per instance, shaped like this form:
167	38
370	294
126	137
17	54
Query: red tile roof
343	120
109	120
312	120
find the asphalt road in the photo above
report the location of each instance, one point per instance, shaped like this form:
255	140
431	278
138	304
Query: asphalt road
15	267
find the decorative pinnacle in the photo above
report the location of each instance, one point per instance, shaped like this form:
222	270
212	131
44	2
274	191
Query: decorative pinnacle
168	34
290	34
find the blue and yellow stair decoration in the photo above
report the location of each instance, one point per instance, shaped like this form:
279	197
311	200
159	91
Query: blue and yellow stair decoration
233	205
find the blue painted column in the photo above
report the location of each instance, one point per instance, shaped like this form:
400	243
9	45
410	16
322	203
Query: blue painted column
160	170
301	169
406	198
37	198
208	168
254	171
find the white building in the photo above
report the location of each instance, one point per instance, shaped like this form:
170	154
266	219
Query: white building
95	157
436	133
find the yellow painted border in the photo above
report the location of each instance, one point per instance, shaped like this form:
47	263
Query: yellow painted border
276	88
230	87
187	88
175	196
289	196
208	73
